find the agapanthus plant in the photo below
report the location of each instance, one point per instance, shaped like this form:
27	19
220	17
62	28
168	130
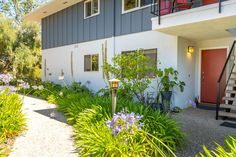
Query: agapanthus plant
6	78
23	85
10	89
124	122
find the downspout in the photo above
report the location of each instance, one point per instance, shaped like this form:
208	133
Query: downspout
114	27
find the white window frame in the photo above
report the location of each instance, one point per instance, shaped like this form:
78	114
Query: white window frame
134	9
87	1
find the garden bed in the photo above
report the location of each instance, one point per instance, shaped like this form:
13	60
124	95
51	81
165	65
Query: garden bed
159	134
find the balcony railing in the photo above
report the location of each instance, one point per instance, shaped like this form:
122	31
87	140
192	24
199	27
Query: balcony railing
164	7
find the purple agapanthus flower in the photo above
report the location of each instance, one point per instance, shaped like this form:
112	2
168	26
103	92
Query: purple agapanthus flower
125	122
6	78
10	89
24	85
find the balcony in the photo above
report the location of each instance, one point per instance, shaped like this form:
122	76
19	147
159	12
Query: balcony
197	20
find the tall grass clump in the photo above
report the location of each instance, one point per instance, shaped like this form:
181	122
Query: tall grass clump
95	138
12	121
219	151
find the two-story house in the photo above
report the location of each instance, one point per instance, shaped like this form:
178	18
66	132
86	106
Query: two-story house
192	36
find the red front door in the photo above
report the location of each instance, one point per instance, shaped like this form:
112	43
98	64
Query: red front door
212	64
206	2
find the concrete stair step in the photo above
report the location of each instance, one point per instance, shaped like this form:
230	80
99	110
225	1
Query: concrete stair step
231	91
231	85
229	98
234	73
227	114
232	79
233	107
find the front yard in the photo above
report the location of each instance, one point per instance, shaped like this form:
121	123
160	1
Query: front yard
137	130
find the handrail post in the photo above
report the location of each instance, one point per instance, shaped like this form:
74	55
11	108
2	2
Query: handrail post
220	5
159	12
218	100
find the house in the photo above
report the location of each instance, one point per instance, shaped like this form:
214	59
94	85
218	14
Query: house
75	33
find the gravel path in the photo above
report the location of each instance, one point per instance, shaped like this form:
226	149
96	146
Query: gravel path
48	134
201	128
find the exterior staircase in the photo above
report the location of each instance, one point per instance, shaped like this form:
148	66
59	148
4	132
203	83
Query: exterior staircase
226	92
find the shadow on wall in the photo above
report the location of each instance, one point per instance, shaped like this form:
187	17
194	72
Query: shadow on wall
53	114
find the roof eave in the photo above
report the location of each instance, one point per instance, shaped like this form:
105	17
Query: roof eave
49	8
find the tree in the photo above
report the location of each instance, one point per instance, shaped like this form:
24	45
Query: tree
7	39
27	62
16	9
132	70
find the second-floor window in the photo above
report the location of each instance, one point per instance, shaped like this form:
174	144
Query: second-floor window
129	5
91	8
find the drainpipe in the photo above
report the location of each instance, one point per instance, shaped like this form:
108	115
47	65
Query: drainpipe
114	27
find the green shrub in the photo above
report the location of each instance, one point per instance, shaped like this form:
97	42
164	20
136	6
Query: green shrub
51	99
94	138
134	77
12	121
220	151
161	126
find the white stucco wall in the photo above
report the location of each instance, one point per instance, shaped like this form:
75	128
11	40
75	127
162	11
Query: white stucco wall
60	58
171	52
186	68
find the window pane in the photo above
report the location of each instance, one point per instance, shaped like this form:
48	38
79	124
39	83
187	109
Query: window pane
95	63
145	2
130	4
94	6
152	54
88	9
87	63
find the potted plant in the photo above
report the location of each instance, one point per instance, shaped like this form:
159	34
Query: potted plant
167	81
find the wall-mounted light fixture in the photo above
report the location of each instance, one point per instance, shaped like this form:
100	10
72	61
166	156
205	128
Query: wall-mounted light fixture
190	49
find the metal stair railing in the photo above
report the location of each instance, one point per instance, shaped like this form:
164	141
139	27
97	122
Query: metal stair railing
226	71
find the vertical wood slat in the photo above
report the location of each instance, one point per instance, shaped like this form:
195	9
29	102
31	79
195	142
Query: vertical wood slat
71	65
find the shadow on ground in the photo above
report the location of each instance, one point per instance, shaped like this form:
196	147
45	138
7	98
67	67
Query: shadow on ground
201	128
53	114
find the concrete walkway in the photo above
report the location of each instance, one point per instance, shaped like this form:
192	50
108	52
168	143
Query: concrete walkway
48	134
201	128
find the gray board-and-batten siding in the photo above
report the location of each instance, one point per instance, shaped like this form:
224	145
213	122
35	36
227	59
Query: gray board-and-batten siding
68	26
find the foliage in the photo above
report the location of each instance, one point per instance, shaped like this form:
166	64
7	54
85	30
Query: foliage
27	61
132	69
220	151
169	79
161	132
94	138
7	39
16	9
20	49
12	121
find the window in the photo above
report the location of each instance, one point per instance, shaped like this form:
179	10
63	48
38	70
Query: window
152	54
91	8
91	63
129	5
